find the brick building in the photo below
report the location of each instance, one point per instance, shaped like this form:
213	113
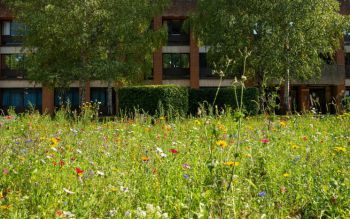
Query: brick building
181	62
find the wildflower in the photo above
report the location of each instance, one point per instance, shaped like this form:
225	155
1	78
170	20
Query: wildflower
221	143
248	155
305	138
340	149
5	171
264	141
283	189
100	173
68	191
197	122
186	166
163	155
127	213
231	164
145	159
112	212
283	123
286	174
159	150
173	151
186	176
124	189
59	213
79	171
294	146
54	142
68	214
262	194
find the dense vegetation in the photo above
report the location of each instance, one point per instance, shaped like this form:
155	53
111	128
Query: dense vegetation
182	168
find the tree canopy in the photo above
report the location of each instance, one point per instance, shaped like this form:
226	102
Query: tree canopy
82	40
280	34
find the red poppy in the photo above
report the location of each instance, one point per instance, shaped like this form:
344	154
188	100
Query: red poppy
264	140
173	151
79	171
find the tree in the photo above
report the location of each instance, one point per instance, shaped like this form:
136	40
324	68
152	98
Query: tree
285	37
83	40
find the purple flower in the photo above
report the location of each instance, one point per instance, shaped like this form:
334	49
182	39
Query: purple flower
186	176
262	194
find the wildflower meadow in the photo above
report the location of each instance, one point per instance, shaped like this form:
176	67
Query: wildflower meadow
147	167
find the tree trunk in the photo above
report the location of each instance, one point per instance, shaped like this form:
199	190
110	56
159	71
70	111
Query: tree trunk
287	106
110	99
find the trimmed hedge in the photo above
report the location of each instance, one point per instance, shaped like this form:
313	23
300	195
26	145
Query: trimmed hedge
225	98
173	99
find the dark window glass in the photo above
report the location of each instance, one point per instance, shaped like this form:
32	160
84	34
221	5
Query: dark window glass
203	63
67	97
176	60
175	27
99	95
21	98
347	58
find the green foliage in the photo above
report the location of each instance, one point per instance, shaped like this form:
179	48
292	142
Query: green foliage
281	35
225	98
346	104
71	40
153	100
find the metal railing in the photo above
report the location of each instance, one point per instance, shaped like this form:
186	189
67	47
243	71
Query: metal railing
12	74
176	73
11	40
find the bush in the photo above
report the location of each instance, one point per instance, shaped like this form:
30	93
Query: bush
346	104
225	98
172	99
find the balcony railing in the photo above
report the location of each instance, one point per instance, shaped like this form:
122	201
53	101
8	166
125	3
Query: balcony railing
331	74
176	73
11	40
12	74
178	40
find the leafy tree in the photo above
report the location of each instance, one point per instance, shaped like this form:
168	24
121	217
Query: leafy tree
83	40
285	37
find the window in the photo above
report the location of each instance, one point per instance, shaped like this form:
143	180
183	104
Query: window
176	60
11	28
347	93
99	95
67	97
177	36
21	98
13	61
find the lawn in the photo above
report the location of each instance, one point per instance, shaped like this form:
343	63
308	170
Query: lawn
204	167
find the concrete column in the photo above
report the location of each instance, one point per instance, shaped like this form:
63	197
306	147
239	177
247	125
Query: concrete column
194	62
157	56
48	100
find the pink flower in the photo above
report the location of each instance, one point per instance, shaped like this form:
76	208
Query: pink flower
5	171
264	140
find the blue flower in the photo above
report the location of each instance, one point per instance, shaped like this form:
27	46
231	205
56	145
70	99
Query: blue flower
262	194
186	176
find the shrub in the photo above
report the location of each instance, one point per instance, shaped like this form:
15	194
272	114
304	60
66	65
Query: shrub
172	99
225	98
346	104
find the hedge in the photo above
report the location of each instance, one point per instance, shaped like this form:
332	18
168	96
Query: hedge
225	98
173	99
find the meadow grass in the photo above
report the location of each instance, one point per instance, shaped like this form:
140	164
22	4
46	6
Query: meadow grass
291	167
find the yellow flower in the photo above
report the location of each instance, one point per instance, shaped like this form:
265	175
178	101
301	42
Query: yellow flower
286	174
197	122
283	123
221	143
54	142
340	149
248	155
294	146
231	164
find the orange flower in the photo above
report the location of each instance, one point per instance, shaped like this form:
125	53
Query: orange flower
145	158
79	171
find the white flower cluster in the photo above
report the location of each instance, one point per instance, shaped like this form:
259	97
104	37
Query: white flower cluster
151	212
